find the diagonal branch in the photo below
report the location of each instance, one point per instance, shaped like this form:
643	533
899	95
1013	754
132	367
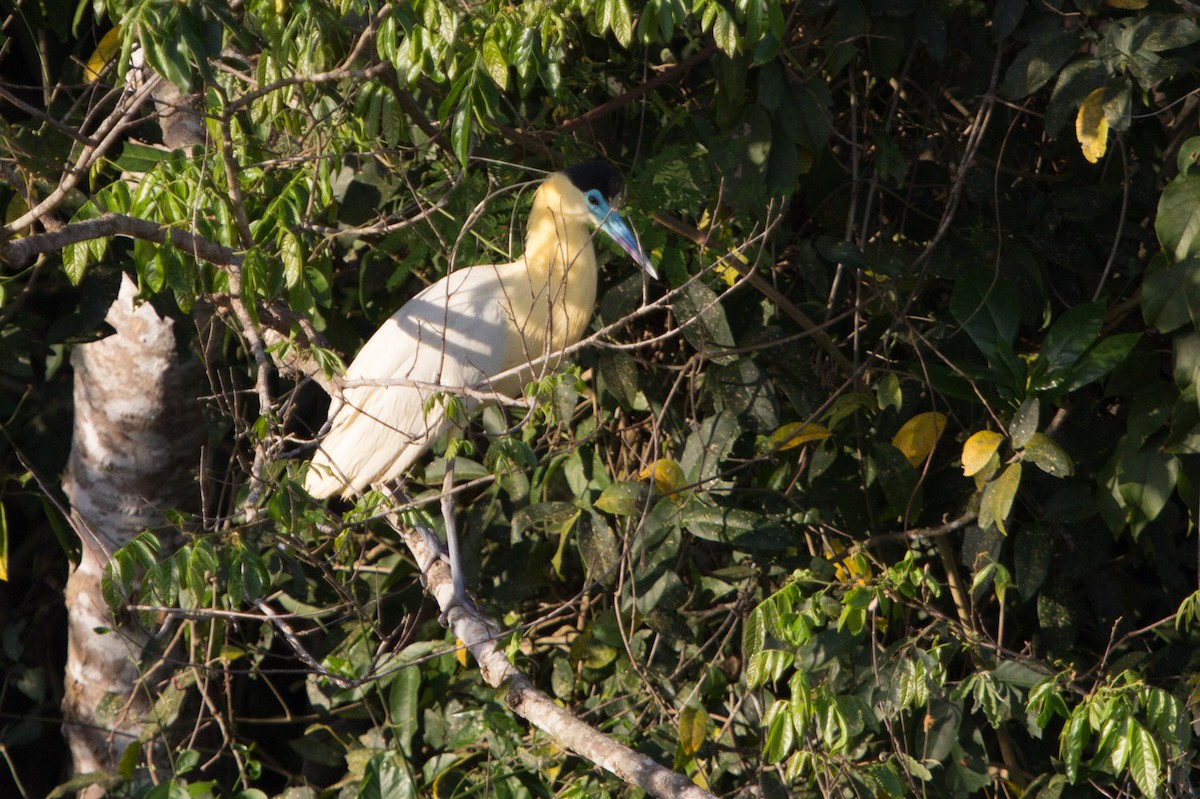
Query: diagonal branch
476	632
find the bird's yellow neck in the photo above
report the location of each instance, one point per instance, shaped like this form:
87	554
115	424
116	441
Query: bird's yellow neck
560	262
558	244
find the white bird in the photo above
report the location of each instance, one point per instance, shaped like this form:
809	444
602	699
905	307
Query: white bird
470	330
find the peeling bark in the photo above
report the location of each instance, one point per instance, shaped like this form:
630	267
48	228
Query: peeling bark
134	451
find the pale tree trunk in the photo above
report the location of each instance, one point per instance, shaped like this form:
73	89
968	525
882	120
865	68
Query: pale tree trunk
135	452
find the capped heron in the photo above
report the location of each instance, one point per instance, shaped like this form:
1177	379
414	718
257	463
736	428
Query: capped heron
487	328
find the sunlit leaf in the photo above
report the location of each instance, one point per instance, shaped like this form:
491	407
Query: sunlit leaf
1048	456
667	475
998	495
103	55
1145	760
917	437
793	434
693	727
1091	126
979	449
621	499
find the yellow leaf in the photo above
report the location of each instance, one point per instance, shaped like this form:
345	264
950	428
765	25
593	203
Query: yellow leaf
793	434
917	437
667	474
3	546
728	274
978	450
1127	5
460	652
693	727
1091	126
105	52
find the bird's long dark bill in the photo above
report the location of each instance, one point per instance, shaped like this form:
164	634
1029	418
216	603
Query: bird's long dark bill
615	227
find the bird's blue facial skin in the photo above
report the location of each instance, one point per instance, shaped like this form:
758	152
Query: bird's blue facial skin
611	223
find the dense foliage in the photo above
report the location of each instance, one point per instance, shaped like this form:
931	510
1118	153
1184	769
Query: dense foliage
887	488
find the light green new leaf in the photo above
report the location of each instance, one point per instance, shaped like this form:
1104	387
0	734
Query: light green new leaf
494	62
1072	741
1145	761
780	733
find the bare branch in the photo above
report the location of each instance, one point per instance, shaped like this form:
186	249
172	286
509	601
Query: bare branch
476	632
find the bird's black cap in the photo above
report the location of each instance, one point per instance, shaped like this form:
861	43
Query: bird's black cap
599	175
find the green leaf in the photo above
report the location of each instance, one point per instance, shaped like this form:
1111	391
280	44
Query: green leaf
990	313
1100	361
404	707
742	529
1048	456
1169	33
291	252
1006	15
754	633
998	495
1178	221
1038	62
386	777
1033	551
724	31
1070	337
888	393
623	499
598	546
702	319
1145	760
620	21
494	61
1072	742
75	261
767	666
1076	81
708	446
1139	483
780	733
460	132
1025	422
1171	294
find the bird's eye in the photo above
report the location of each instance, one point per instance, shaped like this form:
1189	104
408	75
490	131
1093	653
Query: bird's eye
592	199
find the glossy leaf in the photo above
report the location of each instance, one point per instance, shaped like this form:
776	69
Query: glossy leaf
1145	760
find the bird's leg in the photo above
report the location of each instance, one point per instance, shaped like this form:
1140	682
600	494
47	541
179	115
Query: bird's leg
456	573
